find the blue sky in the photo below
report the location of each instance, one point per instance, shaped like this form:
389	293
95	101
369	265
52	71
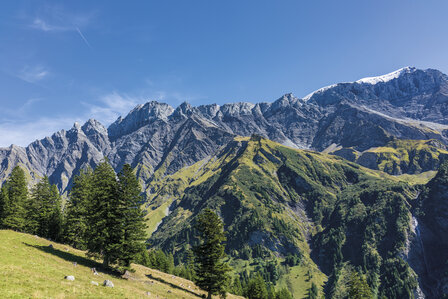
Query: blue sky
62	62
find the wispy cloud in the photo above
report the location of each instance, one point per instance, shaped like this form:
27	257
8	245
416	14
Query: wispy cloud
17	128
110	106
24	132
40	24
55	19
33	74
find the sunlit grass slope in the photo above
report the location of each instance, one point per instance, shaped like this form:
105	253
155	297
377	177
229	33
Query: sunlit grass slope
29	268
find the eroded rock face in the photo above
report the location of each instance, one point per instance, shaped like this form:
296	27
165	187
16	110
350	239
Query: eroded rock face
407	104
431	244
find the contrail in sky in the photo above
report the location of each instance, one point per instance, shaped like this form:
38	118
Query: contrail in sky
83	37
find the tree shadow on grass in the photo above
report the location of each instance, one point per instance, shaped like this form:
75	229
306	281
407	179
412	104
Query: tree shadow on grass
79	260
174	286
83	261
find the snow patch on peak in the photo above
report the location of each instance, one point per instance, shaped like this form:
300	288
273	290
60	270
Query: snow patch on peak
367	80
320	90
387	77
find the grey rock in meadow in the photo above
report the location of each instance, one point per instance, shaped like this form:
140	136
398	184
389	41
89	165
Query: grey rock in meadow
407	104
70	277
94	283
108	283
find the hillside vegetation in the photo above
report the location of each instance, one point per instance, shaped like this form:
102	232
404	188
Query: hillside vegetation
277	201
31	269
400	156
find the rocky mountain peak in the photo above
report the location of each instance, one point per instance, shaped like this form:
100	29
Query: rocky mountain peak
209	111
140	116
239	108
286	100
184	109
93	125
76	126
388	77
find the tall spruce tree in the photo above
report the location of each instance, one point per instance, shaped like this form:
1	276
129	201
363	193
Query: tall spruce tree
313	292
133	217
283	294
15	197
44	210
4	203
211	271
55	220
78	210
358	287
106	230
256	288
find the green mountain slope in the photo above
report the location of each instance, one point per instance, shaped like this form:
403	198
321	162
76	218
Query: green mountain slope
276	201
399	156
31	269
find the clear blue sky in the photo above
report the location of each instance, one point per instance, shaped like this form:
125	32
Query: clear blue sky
65	62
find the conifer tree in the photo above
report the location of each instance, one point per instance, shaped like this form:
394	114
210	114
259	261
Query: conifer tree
78	209
15	197
313	292
211	271
106	232
256	288
283	294
55	220
237	288
358	287
4	202
44	210
133	217
190	264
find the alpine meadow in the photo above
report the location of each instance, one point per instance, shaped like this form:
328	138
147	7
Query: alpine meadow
168	185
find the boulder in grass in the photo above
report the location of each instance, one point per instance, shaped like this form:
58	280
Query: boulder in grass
94	283
108	283
126	275
70	277
51	246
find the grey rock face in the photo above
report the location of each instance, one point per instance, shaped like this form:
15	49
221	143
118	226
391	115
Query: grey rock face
433	237
155	137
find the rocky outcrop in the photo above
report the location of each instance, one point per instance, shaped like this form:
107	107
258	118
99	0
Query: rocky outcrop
399	156
432	233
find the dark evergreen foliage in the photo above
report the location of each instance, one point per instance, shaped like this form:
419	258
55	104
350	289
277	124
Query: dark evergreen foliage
256	288
211	271
78	210
358	287
313	292
105	230
132	221
14	200
44	215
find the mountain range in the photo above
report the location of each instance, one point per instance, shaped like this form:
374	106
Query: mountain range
350	177
407	104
